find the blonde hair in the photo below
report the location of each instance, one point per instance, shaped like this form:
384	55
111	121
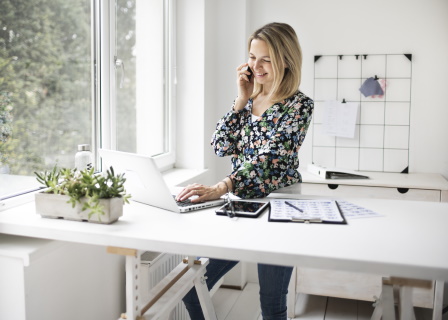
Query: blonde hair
286	59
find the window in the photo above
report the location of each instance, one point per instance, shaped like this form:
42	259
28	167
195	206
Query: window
143	61
45	87
64	83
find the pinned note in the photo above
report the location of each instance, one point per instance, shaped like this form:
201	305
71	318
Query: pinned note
371	87
340	119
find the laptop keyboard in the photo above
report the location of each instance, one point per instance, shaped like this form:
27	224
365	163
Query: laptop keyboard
184	203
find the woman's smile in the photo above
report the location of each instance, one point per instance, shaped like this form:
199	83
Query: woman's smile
260	74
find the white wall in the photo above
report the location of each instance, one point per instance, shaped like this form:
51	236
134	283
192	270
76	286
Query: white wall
211	44
190	87
337	27
382	26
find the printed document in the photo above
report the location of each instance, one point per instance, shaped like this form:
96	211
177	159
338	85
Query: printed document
305	210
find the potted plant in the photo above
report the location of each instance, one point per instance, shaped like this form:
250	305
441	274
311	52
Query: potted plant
81	195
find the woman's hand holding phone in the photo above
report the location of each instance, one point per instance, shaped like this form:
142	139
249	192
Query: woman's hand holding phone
245	84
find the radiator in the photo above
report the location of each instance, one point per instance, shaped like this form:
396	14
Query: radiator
154	267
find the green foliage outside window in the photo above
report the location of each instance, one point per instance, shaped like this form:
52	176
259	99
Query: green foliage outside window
45	82
46	67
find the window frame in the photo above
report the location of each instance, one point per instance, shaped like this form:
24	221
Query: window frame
103	84
104	55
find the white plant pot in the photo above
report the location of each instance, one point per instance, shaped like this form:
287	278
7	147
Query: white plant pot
55	206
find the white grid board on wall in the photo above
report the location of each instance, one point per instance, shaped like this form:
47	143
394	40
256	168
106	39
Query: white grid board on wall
381	141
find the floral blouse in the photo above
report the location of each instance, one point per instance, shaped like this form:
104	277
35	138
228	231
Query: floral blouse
264	152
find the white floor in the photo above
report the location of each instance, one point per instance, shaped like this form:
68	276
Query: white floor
243	305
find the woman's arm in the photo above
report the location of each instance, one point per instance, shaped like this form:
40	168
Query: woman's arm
227	133
228	128
275	165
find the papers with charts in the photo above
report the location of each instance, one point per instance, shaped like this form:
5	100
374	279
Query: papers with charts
353	211
326	211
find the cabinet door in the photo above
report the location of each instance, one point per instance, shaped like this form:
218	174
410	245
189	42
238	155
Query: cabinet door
370	192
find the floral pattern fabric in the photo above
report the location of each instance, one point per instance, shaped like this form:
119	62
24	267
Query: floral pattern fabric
264	152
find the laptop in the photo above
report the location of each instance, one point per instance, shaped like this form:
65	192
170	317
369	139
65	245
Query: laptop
145	183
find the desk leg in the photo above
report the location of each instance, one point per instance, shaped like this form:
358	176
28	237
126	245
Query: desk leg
405	303
385	307
168	292
438	301
132	286
132	280
163	298
204	297
378	311
387	301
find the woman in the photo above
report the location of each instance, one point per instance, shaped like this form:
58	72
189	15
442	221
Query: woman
262	133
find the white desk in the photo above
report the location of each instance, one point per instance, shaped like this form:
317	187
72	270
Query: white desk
409	241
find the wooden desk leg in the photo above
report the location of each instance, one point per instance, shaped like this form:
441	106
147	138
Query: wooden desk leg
378	311
405	306
204	297
168	292
387	302
385	306
438	301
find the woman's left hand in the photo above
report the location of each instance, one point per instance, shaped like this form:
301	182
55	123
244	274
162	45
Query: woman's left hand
201	193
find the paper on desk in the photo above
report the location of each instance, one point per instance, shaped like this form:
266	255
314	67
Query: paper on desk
353	211
340	119
325	210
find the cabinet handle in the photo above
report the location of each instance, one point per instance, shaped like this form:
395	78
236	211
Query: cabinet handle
403	190
333	186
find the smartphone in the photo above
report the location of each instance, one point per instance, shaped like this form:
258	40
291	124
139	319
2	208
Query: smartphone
244	209
250	70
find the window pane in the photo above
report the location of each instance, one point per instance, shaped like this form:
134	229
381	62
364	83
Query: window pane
140	90
45	86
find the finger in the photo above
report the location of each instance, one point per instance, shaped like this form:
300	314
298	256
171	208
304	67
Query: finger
181	195
241	66
244	77
190	192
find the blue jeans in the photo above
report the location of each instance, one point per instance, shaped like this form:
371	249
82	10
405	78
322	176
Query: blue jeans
274	281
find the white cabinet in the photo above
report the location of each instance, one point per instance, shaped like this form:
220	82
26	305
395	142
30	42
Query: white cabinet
400	186
360	286
53	280
341	190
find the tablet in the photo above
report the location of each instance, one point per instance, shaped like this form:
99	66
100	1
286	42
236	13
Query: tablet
242	208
